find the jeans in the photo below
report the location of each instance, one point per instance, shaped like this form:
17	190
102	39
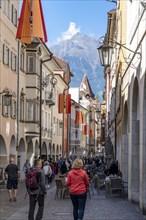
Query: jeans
33	199
78	202
47	180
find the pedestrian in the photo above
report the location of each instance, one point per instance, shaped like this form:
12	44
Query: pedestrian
113	168
26	167
78	183
63	168
48	173
12	174
37	194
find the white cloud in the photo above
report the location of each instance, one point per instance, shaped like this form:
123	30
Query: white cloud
72	30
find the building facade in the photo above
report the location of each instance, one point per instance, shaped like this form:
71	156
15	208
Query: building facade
30	80
8	79
126	76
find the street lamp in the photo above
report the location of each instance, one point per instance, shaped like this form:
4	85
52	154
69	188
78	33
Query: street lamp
105	50
98	112
7	97
105	54
143	3
61	124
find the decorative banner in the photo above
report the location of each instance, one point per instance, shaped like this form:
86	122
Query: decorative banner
79	117
91	133
31	23
61	103
85	129
68	103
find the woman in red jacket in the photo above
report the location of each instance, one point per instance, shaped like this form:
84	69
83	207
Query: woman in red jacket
78	182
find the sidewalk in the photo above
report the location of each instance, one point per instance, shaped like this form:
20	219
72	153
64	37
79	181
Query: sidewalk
97	208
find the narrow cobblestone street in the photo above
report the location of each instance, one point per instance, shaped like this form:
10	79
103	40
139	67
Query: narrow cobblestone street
97	208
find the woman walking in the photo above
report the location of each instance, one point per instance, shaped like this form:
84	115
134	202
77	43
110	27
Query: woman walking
78	183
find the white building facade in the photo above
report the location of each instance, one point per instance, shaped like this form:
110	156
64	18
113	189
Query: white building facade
127	94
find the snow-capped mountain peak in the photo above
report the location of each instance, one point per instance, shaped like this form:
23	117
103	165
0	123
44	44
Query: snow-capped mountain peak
81	54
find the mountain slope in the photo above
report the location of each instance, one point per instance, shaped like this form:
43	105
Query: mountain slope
82	56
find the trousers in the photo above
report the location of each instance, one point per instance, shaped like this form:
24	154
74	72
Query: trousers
78	202
33	199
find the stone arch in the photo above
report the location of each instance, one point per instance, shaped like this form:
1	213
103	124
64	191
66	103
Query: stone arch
13	147
3	152
36	149
44	151
30	154
135	143
124	148
3	149
21	158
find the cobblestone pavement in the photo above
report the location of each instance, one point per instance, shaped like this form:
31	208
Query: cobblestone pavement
97	208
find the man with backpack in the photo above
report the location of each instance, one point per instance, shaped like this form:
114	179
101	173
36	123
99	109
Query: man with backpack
35	184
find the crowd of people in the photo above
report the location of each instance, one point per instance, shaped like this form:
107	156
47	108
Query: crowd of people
77	171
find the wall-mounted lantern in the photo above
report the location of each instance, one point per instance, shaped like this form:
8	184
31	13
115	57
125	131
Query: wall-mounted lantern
60	124
7	97
98	113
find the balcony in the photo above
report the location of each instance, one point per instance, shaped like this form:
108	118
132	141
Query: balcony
31	129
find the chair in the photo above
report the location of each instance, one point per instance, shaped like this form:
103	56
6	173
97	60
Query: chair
115	184
61	189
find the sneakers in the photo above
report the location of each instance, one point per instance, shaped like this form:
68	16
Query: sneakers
10	200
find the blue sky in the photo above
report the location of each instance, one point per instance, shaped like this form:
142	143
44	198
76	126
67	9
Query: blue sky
65	18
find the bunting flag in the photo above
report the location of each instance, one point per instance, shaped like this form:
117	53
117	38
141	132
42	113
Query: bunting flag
61	103
68	103
85	129
31	23
79	117
64	101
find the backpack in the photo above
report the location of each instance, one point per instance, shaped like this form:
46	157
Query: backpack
31	180
49	171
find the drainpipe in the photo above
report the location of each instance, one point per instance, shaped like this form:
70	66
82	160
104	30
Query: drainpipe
17	111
